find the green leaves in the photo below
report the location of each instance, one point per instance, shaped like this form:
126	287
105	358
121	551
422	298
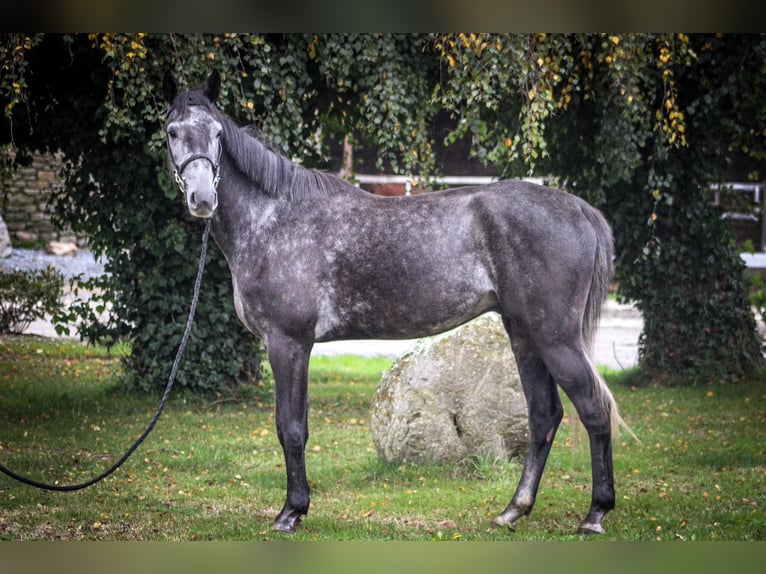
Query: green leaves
378	88
14	65
633	123
117	191
26	296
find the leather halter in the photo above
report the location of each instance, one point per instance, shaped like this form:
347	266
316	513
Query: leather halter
179	169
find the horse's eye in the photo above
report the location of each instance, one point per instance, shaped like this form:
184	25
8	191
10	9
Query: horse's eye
172	133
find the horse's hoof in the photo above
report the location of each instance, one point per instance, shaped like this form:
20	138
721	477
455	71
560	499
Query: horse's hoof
590	528
286	522
283	528
500	522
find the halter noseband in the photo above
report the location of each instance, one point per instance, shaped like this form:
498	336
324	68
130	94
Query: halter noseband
177	174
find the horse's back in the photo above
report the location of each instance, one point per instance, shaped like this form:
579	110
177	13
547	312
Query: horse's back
412	266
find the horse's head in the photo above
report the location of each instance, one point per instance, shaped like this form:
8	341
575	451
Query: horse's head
194	143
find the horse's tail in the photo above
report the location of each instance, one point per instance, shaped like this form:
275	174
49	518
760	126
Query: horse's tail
599	288
602	275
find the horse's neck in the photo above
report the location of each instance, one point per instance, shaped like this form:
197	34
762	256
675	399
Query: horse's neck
243	213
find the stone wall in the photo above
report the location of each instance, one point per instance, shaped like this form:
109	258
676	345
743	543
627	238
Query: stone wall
24	198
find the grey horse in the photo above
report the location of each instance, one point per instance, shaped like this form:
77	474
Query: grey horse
313	258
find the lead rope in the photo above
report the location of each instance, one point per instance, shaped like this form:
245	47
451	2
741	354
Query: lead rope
168	388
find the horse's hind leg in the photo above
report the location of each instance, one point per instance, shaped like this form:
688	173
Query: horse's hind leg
574	373
545	413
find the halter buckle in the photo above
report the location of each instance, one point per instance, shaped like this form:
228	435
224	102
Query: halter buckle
180	181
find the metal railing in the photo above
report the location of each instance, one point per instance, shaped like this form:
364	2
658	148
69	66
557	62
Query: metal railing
754	215
411	181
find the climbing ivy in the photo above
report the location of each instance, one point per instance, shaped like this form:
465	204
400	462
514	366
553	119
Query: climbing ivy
97	99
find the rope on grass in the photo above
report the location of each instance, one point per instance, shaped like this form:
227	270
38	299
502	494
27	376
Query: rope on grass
153	422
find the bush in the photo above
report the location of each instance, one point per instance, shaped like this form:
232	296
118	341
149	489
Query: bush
118	192
26	296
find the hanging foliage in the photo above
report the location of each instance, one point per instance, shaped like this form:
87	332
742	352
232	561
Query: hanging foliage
638	124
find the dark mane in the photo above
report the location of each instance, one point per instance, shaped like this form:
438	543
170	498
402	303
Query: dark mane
273	173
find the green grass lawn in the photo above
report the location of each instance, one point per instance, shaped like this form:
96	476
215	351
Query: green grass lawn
213	468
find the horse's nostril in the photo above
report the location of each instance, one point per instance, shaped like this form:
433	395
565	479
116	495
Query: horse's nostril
193	198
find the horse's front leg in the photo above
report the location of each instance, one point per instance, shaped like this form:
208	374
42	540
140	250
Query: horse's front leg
290	363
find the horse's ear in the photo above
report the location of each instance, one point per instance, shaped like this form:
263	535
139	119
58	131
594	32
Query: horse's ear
213	87
169	87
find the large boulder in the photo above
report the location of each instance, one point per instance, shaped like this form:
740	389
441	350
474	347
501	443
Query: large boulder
5	239
451	397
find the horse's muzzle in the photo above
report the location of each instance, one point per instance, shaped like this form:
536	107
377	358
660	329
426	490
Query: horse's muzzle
202	204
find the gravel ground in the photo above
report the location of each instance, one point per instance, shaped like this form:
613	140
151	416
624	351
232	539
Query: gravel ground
83	262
